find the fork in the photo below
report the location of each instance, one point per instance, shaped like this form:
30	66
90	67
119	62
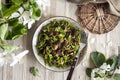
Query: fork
78	56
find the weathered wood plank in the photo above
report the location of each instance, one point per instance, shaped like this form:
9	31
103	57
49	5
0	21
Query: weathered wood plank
1	73
7	73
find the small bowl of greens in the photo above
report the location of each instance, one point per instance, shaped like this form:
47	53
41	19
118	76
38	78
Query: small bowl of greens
56	43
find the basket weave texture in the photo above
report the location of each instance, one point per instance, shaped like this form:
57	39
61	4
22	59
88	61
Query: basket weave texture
97	17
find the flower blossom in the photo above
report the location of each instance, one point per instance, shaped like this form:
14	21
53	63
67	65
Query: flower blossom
11	58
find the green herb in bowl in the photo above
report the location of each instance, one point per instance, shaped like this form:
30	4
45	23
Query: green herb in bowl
58	43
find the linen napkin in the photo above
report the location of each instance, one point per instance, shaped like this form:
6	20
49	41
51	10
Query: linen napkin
86	1
114	4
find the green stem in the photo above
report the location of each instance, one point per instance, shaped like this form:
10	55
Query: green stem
1	13
5	20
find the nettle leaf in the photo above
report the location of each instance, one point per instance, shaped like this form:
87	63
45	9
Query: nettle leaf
16	32
97	58
19	31
17	2
98	75
113	62
11	10
88	72
13	22
119	63
36	11
3	30
26	5
116	77
3	8
32	1
0	5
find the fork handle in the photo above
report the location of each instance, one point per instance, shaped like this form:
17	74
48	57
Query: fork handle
72	69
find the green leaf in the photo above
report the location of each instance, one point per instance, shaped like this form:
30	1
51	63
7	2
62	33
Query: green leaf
99	75
117	77
8	35
119	63
32	1
0	5
88	72
17	2
3	8
97	58
26	5
8	48
36	11
113	62
16	32
34	71
13	22
3	30
11	10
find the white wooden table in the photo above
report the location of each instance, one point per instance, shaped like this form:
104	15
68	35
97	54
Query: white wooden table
106	43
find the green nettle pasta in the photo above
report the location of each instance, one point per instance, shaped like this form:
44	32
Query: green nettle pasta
58	43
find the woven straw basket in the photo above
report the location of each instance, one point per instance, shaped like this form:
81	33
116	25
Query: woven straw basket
97	18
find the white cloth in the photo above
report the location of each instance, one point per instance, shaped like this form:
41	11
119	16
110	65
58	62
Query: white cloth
114	4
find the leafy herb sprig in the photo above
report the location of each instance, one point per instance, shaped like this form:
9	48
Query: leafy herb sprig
103	68
12	21
34	71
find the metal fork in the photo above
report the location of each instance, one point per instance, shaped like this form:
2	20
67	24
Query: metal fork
78	56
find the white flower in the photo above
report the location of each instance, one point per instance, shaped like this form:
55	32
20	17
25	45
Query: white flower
6	58
105	67
99	71
17	14
18	57
30	22
21	10
24	17
11	58
27	20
